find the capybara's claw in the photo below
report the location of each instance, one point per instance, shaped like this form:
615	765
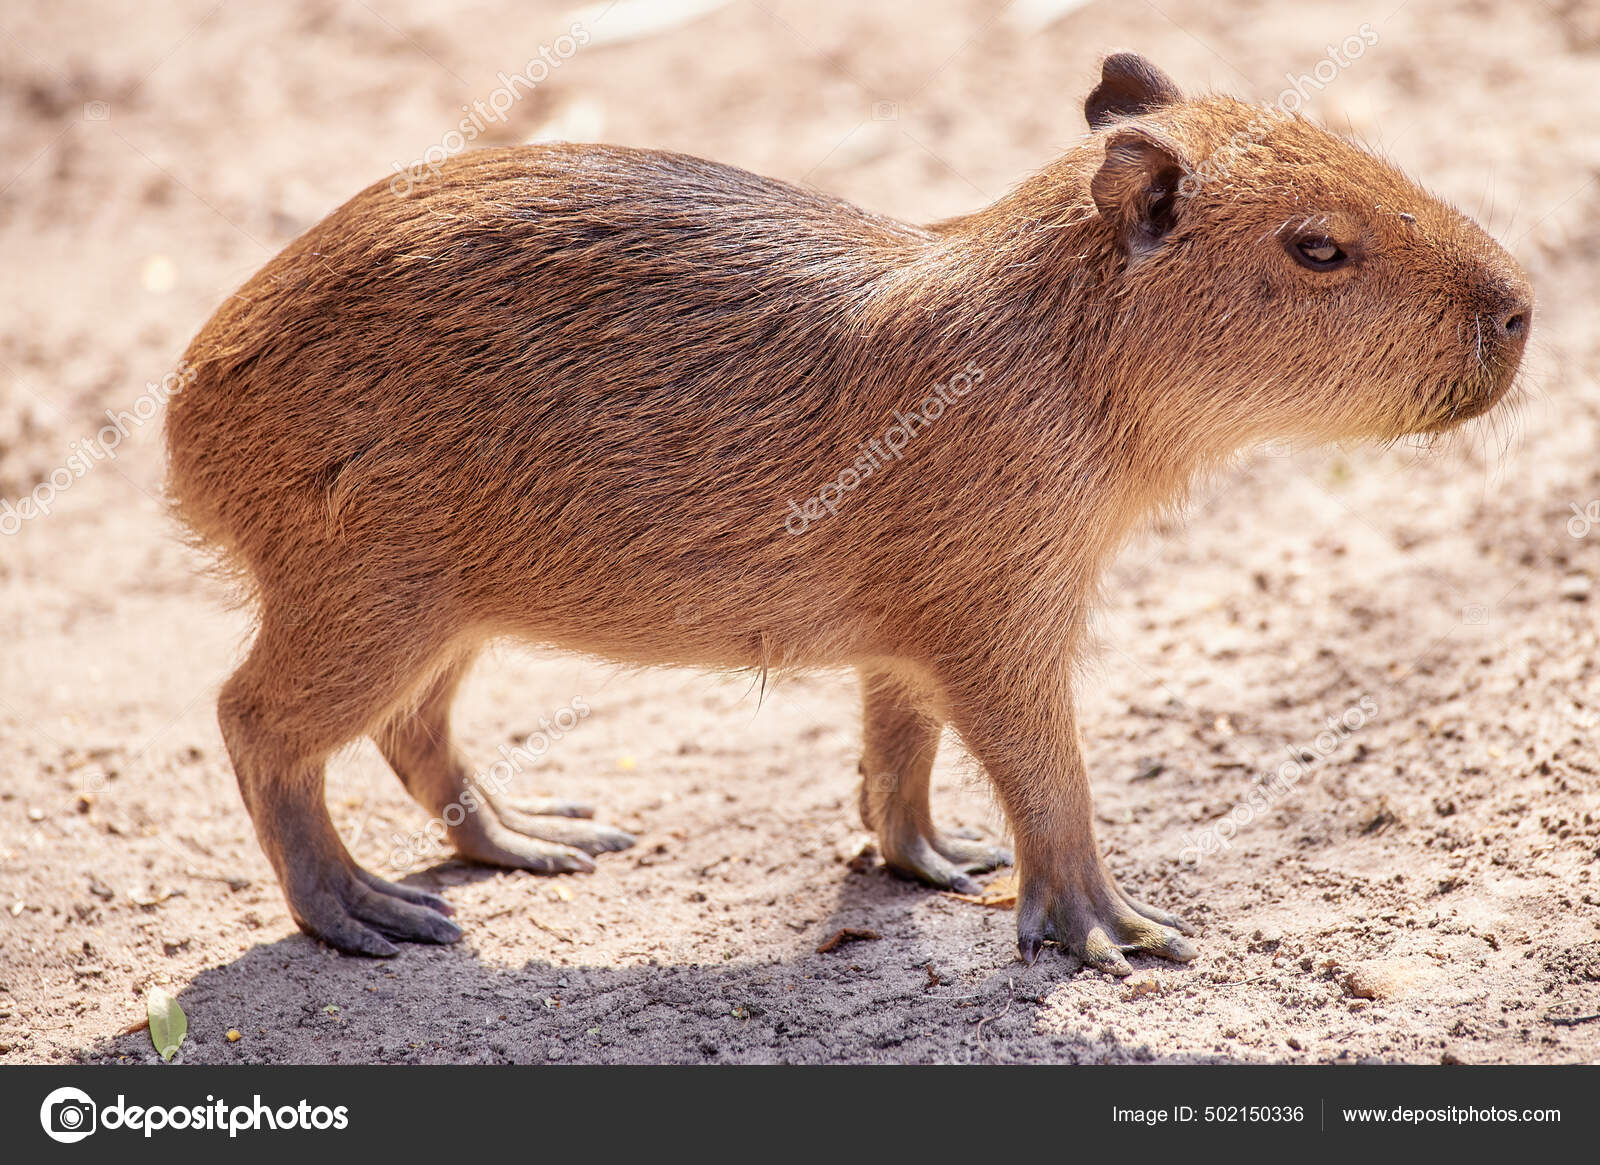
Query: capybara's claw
1100	927
359	913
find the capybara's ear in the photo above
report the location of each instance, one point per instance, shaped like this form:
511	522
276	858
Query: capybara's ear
1129	85
1136	187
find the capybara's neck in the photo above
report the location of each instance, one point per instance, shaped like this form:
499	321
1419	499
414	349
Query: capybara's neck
1081	407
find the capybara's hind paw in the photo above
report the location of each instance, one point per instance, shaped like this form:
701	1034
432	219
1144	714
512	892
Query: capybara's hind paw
359	913
565	829
942	860
1100	925
493	843
503	833
971	854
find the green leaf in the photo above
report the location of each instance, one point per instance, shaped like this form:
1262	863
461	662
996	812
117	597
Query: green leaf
168	1024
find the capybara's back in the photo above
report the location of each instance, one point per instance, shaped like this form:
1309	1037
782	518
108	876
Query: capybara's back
664	411
501	395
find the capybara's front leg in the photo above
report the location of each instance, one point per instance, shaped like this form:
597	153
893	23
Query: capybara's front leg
1022	727
900	734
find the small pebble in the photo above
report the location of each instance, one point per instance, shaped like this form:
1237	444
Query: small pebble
1384	978
1142	983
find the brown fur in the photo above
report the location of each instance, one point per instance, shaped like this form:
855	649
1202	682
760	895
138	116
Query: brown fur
567	393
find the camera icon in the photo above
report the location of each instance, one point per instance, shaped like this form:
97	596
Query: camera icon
1474	614
97	111
885	111
93	781
68	1115
885	782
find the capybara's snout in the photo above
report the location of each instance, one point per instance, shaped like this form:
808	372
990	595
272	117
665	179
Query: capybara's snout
1501	310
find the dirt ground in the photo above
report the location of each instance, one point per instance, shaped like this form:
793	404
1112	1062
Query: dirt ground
1427	892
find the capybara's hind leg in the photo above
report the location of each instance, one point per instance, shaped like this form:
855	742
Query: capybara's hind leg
547	837
900	736
296	699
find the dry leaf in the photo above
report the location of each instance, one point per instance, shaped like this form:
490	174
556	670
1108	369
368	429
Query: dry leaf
850	934
168	1024
1002	892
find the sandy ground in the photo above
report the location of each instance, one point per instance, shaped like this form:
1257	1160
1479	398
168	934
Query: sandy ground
1427	892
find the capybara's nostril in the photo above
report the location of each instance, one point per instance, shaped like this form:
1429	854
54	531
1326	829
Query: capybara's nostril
1514	324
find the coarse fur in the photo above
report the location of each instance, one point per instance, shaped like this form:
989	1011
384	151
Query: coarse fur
578	395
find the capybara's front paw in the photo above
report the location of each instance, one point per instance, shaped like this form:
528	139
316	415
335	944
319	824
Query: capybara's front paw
358	912
1094	919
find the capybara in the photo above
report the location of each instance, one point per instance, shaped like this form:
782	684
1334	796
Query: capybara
663	411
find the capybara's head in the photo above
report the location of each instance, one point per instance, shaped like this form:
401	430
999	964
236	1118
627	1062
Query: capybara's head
1303	285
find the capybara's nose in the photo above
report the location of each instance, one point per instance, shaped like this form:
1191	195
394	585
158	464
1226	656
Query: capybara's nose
1513	324
1509	304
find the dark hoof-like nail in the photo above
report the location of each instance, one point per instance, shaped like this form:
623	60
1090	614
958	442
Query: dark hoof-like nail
1029	949
608	839
1181	950
1100	953
371	945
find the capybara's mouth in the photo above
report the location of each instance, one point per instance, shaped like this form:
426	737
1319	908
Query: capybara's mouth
1466	400
1495	359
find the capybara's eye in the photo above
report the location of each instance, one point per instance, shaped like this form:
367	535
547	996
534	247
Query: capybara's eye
1318	253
